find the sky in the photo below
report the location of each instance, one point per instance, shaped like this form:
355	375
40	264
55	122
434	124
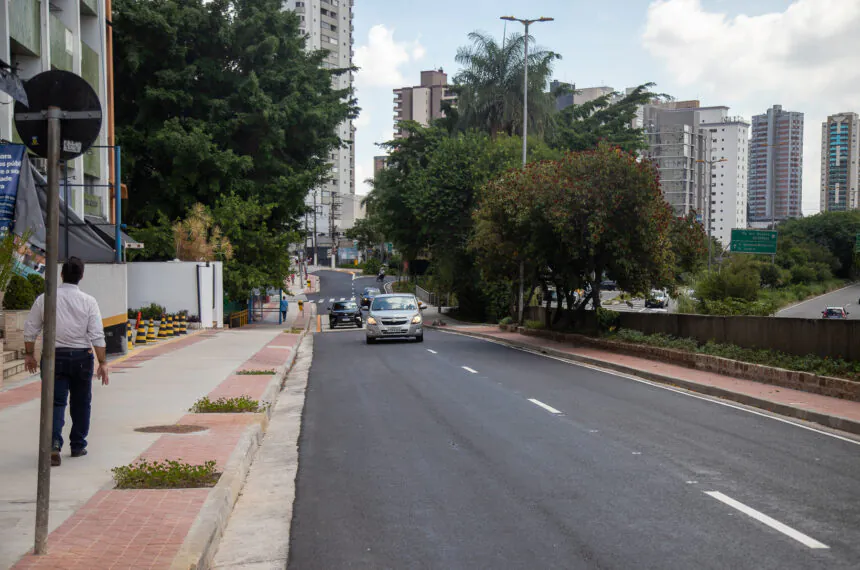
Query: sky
744	54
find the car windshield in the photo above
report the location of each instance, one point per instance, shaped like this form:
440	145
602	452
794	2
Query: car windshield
348	306
394	304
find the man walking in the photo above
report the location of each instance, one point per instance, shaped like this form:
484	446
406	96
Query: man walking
79	334
285	305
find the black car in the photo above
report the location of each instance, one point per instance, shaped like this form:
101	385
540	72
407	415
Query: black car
344	313
367	296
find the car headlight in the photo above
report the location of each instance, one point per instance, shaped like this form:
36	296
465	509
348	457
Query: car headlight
371	321
416	320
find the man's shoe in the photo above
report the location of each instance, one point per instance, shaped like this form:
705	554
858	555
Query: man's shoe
79	452
55	458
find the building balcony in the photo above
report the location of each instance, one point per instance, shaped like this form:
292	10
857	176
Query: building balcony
24	29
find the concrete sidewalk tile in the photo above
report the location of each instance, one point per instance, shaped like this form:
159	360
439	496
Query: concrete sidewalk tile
163	383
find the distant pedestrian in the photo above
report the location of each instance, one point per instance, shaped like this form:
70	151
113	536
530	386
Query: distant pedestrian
284	308
80	332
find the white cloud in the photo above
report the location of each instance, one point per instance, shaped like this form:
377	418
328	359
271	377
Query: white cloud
380	59
806	58
361	176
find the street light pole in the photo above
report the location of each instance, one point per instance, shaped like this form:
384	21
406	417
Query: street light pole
525	23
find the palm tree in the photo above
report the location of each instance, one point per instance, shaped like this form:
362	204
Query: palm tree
490	85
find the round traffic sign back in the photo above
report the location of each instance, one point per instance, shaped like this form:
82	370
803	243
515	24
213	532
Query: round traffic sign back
74	96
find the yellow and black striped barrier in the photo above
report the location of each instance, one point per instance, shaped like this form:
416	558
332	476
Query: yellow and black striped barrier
141	332
128	328
183	324
150	332
170	330
162	328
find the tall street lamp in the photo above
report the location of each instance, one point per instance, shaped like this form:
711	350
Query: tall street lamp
711	164
525	23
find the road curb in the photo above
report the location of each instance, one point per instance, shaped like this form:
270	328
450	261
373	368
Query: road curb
201	543
827	420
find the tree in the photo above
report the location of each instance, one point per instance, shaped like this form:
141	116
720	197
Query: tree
218	103
365	232
578	218
738	279
828	237
606	119
197	238
689	244
490	85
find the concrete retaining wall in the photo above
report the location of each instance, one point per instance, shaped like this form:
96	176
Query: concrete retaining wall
824	338
174	286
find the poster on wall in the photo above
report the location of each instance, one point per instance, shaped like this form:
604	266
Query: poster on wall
11	160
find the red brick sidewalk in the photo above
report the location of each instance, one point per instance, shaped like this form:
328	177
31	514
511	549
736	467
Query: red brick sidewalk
755	390
33	390
139	529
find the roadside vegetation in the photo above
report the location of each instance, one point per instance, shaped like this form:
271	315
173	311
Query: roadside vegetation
240	405
168	474
815	255
814	364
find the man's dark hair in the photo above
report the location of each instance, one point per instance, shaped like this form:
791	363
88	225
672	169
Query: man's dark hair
73	271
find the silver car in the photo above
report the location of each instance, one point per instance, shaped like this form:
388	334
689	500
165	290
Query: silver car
397	315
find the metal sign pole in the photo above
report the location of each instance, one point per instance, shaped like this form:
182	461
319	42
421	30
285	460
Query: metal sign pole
46	424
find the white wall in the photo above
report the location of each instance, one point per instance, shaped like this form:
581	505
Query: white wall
107	283
174	285
729	143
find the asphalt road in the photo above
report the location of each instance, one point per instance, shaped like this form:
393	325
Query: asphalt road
339	286
459	453
848	297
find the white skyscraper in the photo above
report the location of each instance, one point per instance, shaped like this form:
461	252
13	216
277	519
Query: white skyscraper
730	155
328	25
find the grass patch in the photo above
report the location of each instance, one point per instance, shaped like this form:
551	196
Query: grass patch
797	293
255	372
165	475
403	287
294	331
240	405
811	363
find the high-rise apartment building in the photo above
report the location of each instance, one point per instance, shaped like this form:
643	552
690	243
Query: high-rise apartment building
776	167
574	96
327	25
680	148
69	35
840	163
422	103
729	158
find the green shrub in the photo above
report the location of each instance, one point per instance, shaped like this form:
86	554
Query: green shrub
240	405
509	320
165	475
608	321
372	266
403	287
19	294
535	325
803	274
737	307
37	282
152	312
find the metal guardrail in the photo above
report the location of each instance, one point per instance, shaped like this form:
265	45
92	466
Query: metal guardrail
238	319
425	295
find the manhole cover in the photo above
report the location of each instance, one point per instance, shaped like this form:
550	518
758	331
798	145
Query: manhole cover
176	428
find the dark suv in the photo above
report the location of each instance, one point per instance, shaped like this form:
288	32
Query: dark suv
367	296
344	313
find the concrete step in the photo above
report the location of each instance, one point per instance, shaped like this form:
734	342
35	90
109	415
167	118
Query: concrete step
13	368
10	355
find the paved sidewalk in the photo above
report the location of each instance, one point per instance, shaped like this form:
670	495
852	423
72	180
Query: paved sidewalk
824	410
94	526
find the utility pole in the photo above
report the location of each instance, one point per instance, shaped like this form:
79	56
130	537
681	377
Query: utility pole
314	241
525	23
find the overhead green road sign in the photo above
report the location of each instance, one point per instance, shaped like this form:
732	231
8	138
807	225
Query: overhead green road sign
754	241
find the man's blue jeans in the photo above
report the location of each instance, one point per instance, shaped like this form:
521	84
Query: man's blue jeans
73	383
